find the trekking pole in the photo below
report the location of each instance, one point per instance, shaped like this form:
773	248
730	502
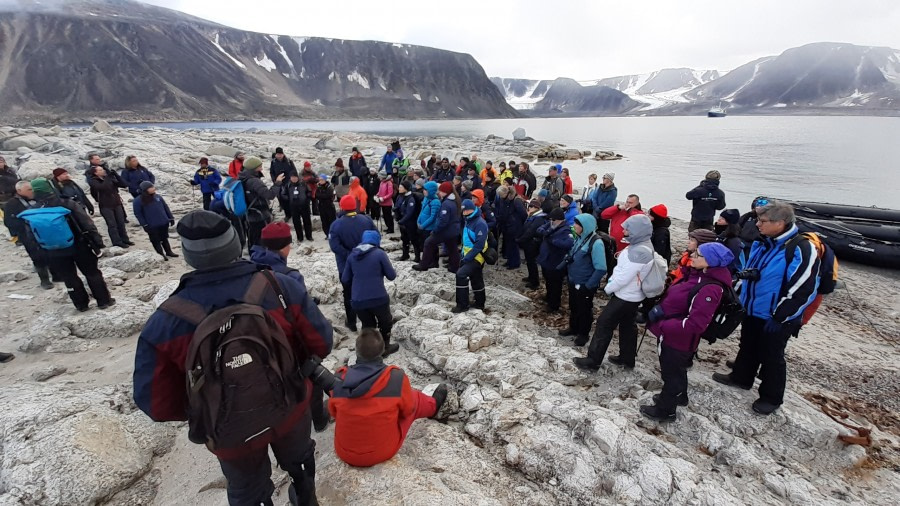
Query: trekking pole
642	341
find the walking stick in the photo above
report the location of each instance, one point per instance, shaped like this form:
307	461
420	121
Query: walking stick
642	341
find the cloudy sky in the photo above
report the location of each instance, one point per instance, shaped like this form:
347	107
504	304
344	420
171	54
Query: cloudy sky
582	39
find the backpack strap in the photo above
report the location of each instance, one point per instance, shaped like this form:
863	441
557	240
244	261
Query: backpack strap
187	310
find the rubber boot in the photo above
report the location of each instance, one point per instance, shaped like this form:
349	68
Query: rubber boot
44	274
480	299
303	493
462	299
320	416
389	348
158	247
405	255
168	249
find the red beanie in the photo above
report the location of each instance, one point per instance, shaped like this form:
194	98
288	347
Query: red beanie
660	211
307	164
348	203
446	187
276	235
58	172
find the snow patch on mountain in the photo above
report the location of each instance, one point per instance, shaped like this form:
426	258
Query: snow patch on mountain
265	63
355	77
232	58
283	52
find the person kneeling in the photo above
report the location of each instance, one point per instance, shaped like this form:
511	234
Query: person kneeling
375	405
680	319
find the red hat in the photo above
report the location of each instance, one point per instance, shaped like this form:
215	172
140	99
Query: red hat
307	164
204	161
348	203
276	235
660	211
59	171
446	187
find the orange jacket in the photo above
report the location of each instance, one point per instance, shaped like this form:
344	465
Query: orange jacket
484	172
368	409
357	191
684	263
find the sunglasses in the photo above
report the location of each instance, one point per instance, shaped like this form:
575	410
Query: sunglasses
761	202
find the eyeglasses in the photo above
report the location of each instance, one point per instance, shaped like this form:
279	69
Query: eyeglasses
763	220
696	254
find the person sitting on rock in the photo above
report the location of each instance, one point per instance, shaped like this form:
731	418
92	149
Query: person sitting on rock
345	234
67	189
680	319
134	174
365	271
209	179
154	215
374	406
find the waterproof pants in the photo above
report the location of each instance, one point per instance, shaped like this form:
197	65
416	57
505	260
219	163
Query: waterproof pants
82	259
554	280
349	312
759	348
378	317
430	255
673	365
470	272
617	313
581	310
115	224
302	221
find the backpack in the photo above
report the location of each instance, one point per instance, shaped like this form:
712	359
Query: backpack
828	264
609	245
233	196
50	227
491	255
654	283
728	315
243	375
400	166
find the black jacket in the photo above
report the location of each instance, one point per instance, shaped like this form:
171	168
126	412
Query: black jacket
8	180
371	183
84	230
257	194
106	190
708	199
660	239
284	166
297	194
70	190
11	210
357	166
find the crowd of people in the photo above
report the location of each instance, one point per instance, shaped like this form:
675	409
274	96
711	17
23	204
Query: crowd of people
470	213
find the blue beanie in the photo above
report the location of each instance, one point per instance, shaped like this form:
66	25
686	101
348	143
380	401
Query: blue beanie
323	176
543	193
558	167
716	254
468	205
371	237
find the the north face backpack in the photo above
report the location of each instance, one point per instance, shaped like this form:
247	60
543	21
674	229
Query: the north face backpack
233	196
50	227
728	315
243	375
653	284
828	264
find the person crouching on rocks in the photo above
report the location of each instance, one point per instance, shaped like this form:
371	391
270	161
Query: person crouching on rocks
154	215
365	270
680	319
375	405
471	269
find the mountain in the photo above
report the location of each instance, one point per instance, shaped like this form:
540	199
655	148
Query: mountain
64	61
567	97
820	78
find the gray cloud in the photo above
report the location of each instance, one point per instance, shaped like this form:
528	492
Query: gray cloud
580	39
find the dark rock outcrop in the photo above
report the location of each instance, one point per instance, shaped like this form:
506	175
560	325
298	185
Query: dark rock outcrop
566	96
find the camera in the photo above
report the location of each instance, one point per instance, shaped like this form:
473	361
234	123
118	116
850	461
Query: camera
748	274
319	374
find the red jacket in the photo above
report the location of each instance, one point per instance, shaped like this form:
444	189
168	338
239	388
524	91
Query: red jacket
616	218
235	168
368	409
567	182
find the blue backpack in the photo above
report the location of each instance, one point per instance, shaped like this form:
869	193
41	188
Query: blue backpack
50	227
233	196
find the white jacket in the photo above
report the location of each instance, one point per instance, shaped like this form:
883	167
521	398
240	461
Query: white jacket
625	282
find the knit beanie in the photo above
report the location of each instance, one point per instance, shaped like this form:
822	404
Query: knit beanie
348	203
714	175
703	236
543	193
306	164
568	198
535	203
204	161
276	235
369	344
41	186
371	237
446	187
468	205
420	182
406	184
547	206
716	254
252	163
58	172
208	240
279	151
610	175
731	216
145	185
478	197
557	215
659	211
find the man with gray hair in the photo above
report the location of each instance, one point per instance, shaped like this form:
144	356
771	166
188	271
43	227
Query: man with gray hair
774	294
22	201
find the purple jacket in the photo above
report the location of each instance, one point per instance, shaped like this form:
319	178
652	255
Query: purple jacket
687	319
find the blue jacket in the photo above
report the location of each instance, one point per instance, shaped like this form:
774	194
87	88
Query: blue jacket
441	175
571	213
587	268
431	208
511	215
366	268
209	180
604	197
154	214
346	234
474	238
134	177
782	291
487	212
449	222
557	243
405	209
262	256
159	362
387	162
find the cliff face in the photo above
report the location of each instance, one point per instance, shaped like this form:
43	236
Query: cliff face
134	61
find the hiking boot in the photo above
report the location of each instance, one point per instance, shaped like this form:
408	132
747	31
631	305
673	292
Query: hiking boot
112	302
46	285
404	257
459	309
82	309
309	238
725	379
729	364
586	364
532	286
350	325
682	399
418	267
566	333
510	267
581	340
764	407
390	349
526	279
129	242
655	413
172	254
6	357
440	397
616	359
165	258
417	260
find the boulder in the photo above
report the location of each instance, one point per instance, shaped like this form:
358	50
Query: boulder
48	372
332	143
519	134
37	167
124	319
31	141
101	126
6	277
220	150
133	261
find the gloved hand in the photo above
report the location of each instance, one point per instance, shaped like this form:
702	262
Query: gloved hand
772	326
656	314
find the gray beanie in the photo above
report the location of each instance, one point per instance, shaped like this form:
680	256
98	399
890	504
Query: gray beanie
208	240
420	182
146	185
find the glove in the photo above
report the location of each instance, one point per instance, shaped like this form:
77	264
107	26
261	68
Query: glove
772	326
656	314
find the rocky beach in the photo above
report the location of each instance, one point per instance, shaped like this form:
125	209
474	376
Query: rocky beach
522	425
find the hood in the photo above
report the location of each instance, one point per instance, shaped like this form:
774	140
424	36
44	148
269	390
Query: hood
475	214
662	223
431	189
362	249
360	378
262	255
354	183
711	184
371	237
588	223
639	229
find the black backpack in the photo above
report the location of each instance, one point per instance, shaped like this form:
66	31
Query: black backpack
243	376
728	315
